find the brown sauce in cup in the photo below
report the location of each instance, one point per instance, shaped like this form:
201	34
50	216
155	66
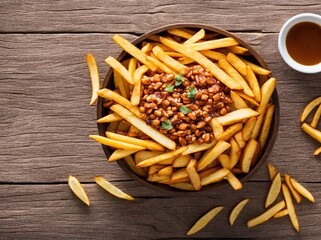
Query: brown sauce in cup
303	43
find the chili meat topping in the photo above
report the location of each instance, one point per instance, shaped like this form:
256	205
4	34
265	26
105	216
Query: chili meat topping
181	107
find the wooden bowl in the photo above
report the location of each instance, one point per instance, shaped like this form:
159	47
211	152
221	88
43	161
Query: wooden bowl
254	57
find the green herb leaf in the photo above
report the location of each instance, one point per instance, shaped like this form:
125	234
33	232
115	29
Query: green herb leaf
192	92
169	88
179	79
183	109
167	125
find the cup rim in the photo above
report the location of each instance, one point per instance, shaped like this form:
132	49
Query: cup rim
303	17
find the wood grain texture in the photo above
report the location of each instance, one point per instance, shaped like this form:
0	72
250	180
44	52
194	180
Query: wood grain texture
46	120
52	211
140	16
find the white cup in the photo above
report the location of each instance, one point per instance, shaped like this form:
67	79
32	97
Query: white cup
304	17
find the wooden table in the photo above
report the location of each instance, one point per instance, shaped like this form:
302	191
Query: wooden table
45	121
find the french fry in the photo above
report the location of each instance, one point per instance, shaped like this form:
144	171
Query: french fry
317	151
214	44
119	154
294	192
195	147
290	207
117	66
155	168
132	165
169	61
111	188
248	155
230	132
256	68
316	134
181	161
162	46
238	101
208	171
115	143
110	95
202	60
213	54
302	190
112	117
237	63
239	139
266	92
142	126
78	189
179	174
272	171
134	51
147	48
282	213
144	154
238	50
159	158
135	97
156	178
217	127
235	154
274	190
266	215
224	159
177	180
216	176
161	65
183	186
168	161
233	73
266	125
247	98
196	37
316	117
203	221
174	54
135	141
237	210
254	84
308	108
94	76
132	65
234	181
119	83
248	128
193	175
237	116
211	154
186	60
180	33
168	170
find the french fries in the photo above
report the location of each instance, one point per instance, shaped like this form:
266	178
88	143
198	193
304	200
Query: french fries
266	215
111	188
294	192
302	190
274	191
290	207
316	134
237	210
203	221
94	76
143	107
78	189
317	151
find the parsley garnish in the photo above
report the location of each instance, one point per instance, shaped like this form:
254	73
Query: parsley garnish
169	88
179	79
183	109
167	125
192	92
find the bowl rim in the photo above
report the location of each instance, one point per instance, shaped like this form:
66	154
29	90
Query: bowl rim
264	152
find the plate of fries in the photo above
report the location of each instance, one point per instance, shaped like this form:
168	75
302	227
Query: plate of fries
186	108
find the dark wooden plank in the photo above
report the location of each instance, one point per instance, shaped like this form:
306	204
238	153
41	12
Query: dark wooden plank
52	211
45	118
140	16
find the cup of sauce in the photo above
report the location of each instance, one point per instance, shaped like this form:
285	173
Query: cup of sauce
300	42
